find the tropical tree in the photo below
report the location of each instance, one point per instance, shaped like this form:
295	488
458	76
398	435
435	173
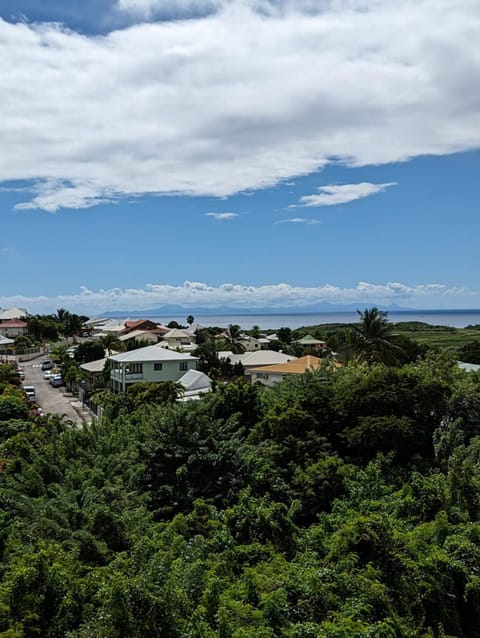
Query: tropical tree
233	339
190	319
373	338
111	342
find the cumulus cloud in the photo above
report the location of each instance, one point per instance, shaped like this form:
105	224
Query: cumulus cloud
334	194
298	220
222	216
251	94
236	296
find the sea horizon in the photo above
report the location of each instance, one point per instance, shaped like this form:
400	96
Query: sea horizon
270	321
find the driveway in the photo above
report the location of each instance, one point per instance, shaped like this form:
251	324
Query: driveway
54	400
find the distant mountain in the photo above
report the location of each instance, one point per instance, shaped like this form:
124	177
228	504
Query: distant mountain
171	310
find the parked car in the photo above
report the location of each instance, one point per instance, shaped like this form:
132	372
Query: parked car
47	365
30	392
47	374
56	380
21	374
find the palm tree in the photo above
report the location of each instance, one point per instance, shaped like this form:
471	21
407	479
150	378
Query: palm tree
111	342
372	338
233	339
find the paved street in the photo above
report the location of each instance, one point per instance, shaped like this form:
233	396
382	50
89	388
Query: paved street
52	399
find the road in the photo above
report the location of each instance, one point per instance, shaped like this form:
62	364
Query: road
53	399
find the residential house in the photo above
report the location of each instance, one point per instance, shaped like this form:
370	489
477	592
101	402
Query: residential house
151	364
270	375
12	328
179	339
94	374
139	324
7	348
311	344
259	358
250	343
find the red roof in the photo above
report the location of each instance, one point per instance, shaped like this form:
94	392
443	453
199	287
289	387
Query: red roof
13	323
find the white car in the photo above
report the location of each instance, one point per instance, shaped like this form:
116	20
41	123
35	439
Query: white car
47	374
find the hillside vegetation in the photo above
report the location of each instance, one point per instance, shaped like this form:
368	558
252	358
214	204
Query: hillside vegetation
338	504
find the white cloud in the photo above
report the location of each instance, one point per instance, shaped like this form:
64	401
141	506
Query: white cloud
222	216
298	220
237	296
334	194
250	95
53	195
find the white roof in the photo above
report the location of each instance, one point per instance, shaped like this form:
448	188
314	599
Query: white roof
4	341
113	326
13	313
469	367
195	380
257	358
151	353
94	366
95	321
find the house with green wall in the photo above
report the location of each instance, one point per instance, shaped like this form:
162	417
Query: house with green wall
151	364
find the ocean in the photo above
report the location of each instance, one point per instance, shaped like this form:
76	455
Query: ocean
454	318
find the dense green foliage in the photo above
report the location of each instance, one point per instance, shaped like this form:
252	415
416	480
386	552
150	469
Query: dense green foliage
338	504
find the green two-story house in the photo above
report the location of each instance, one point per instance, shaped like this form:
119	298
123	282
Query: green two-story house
151	364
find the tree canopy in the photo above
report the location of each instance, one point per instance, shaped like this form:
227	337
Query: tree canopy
338	503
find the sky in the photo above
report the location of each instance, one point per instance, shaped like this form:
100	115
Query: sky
239	153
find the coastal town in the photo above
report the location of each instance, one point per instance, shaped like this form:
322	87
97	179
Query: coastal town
143	351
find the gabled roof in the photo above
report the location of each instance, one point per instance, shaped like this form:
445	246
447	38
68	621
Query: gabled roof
195	380
145	324
94	366
13	323
151	353
5	341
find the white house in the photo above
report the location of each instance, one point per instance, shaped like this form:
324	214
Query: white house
151	364
178	338
270	375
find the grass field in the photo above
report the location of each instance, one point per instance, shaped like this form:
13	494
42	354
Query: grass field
424	333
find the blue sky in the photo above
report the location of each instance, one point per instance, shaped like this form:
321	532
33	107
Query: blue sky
257	153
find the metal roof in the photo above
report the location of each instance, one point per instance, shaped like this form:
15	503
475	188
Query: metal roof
151	353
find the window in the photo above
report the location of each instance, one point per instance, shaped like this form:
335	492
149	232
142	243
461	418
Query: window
158	367
183	366
134	368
